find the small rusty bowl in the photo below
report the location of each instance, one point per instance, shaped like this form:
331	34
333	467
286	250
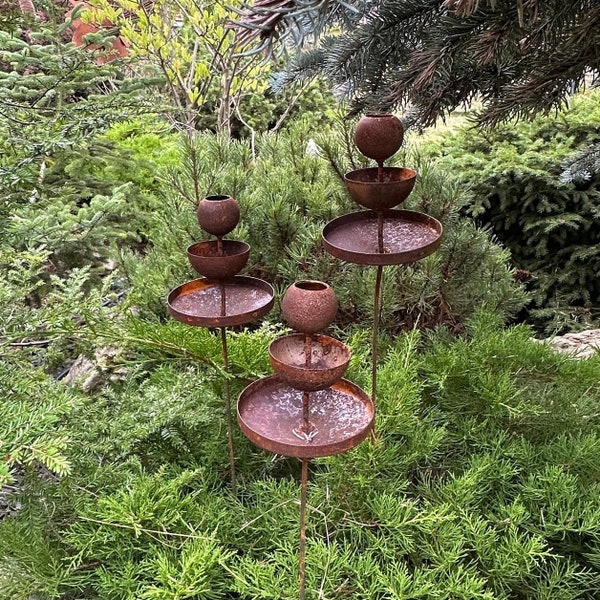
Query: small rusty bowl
329	359
309	306
370	190
218	215
205	258
379	136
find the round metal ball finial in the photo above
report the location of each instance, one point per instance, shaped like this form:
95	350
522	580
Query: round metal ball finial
218	215
309	306
379	136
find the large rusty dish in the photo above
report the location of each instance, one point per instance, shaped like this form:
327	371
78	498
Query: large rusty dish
269	411
408	236
380	189
328	361
218	260
226	303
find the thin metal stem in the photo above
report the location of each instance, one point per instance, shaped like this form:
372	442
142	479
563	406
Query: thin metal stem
374	345
380	232
306	412
307	350
228	410
302	547
223	299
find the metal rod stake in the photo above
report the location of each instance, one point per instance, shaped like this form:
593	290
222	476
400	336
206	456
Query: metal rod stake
302	547
380	232
307	350
223	299
228	410
376	311
306	412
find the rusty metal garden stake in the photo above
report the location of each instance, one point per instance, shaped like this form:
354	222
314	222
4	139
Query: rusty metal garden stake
276	412
382	235
227	398
302	546
374	339
221	298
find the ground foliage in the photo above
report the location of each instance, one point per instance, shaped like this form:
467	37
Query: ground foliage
539	191
482	482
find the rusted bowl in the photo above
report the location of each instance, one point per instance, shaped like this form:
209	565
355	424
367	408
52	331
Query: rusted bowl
379	193
218	215
309	306
270	416
408	236
379	136
205	258
329	359
220	303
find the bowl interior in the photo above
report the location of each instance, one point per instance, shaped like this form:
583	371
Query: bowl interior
389	175
325	352
210	249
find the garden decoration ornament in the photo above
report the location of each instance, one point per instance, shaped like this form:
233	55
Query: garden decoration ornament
221	298
381	235
306	410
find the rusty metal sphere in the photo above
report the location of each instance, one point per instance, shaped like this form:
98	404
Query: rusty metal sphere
379	136
218	215
309	306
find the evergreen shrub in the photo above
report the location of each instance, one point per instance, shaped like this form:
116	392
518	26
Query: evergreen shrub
286	195
482	483
544	213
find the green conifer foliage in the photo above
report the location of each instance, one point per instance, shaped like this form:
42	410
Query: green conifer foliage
482	483
286	197
518	58
545	212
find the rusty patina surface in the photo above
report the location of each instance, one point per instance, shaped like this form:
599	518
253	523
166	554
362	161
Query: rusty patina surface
218	259
221	303
379	189
309	306
309	363
271	415
407	236
379	136
218	215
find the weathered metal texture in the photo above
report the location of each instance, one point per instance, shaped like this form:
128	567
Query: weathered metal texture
224	303
380	189
326	362
218	215
408	236
309	306
379	136
218	259
270	414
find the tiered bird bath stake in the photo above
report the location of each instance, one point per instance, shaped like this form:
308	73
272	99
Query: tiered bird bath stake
381	235
306	410
221	298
